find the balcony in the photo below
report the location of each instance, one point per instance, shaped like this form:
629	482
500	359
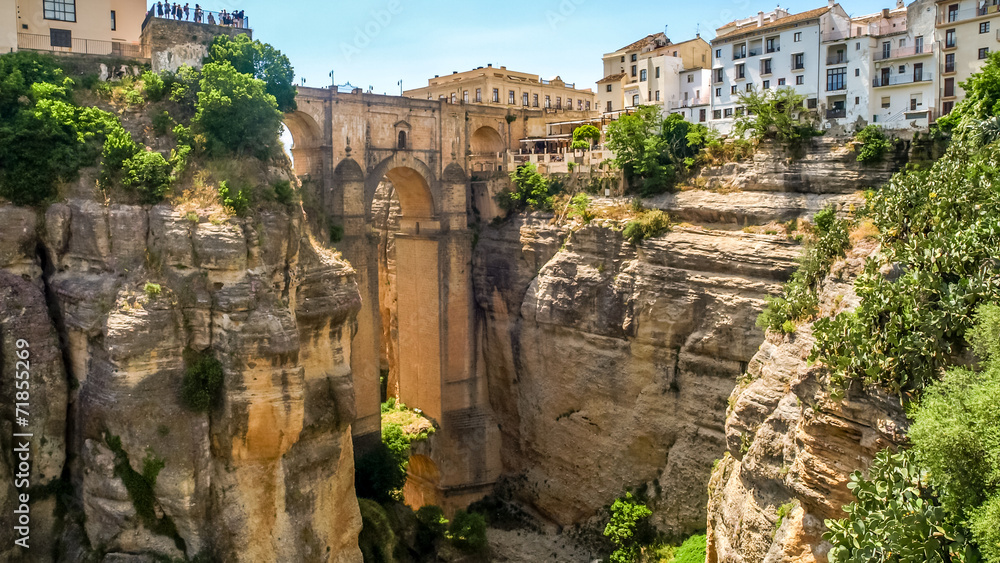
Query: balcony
690	102
905	52
756	52
35	42
837	113
835	35
838	87
738	56
899	79
838	59
947	18
204	17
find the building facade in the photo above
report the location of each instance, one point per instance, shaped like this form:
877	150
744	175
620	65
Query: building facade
97	27
502	87
967	31
655	71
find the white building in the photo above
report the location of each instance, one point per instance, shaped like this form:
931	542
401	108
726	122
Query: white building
654	71
775	50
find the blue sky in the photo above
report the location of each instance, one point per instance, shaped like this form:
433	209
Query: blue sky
376	43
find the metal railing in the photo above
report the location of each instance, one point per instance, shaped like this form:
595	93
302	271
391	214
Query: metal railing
904	52
901	79
836	59
947	17
206	17
36	42
836	113
690	102
835	34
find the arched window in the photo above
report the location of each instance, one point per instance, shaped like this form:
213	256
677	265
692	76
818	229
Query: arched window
402	140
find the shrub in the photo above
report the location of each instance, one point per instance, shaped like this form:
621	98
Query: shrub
235	113
650	223
692	550
624	529
875	144
897	517
579	206
531	191
468	532
377	539
431	528
154	86
149	174
201	388
141	488
381	473
982	97
118	148
283	192
236	201
163	123
956	437
152	289
336	233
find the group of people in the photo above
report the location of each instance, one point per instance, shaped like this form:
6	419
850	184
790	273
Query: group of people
236	18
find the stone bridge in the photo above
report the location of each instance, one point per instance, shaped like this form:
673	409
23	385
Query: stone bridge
345	145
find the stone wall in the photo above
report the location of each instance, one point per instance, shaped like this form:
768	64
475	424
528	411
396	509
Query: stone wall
173	43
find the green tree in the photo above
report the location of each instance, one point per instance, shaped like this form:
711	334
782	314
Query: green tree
771	114
982	97
531	191
897	517
260	60
624	529
874	144
585	137
956	436
235	113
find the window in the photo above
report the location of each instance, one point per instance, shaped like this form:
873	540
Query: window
946	107
983	27
534	98
800	80
798	61
465	96
918	44
886	49
657	95
479	94
765	66
857	72
634	69
749	87
510	97
496	95
836	79
857	100
548	102
984	52
579	105
657	72
60	38
741	71
702	115
771	44
642	75
114	21
797	37
953	12
902	42
739	51
767	84
717	114
885	102
690	78
949	87
857	46
811	103
634	57
587	105
635	99
718	92
918	72
524	99
609	101
718	53
949	62
949	39
738	111
608	88
781	82
913	104
401	143
569	103
62	10
558	102
902	69
623	58
734	89
719	77
728	112
454	96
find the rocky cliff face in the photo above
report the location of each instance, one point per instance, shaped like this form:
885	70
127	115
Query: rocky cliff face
267	475
789	444
609	365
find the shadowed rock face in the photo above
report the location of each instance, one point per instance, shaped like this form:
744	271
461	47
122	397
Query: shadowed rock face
266	475
610	366
788	442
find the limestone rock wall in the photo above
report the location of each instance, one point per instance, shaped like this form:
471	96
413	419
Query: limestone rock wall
609	365
268	474
788	443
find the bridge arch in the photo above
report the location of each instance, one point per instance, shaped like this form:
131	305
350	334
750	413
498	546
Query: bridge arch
487	140
413	181
307	143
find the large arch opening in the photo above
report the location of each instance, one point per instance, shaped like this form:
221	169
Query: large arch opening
487	148
306	139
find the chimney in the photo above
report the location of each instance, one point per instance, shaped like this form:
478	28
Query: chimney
832	3
760	18
454	72
489	65
885	12
503	68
